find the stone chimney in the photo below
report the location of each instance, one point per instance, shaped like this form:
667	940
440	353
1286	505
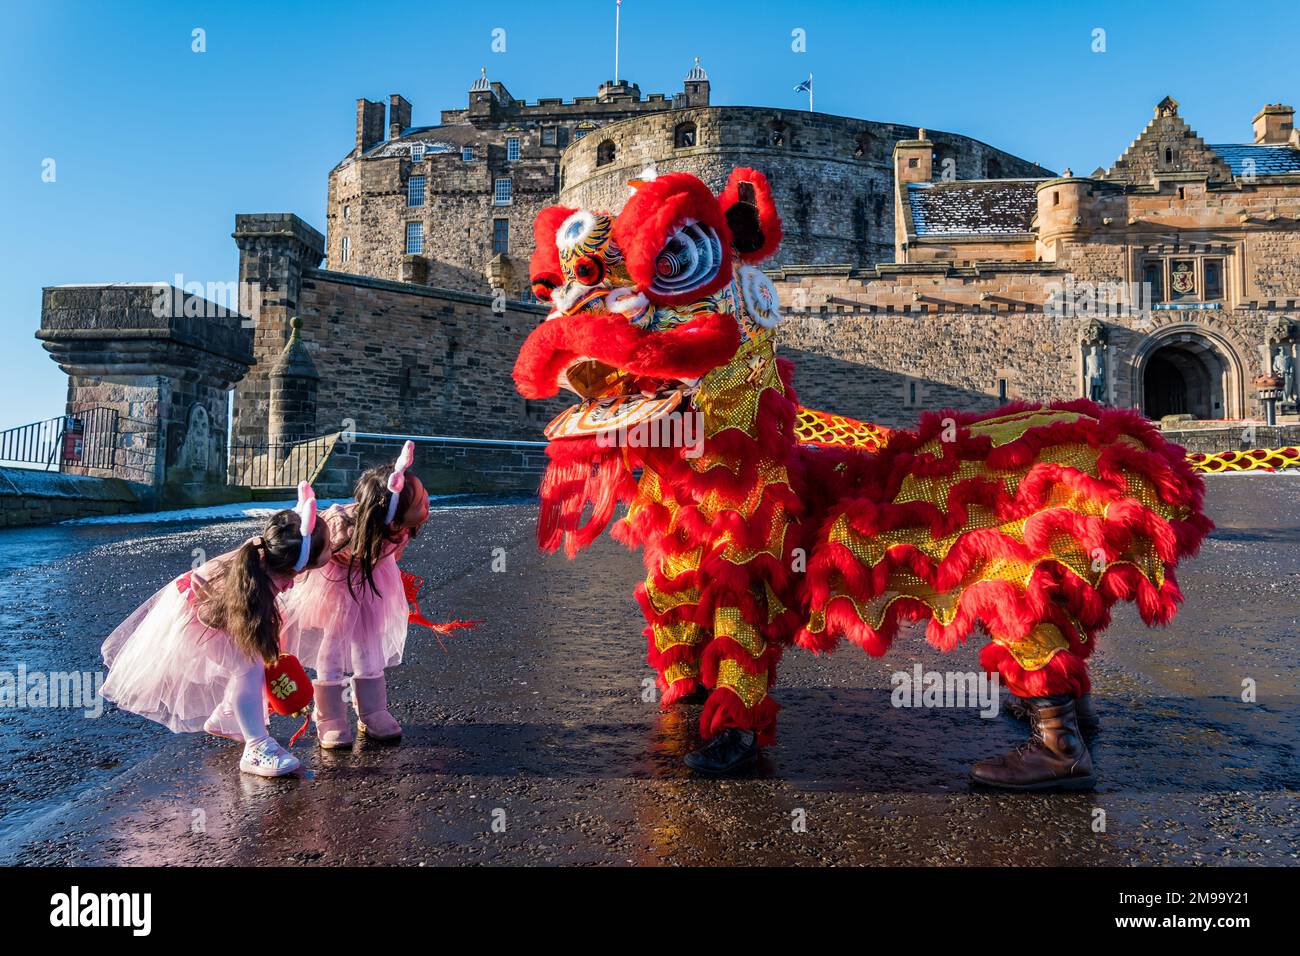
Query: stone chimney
370	123
1273	124
399	115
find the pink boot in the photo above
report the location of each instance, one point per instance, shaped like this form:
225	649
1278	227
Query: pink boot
370	697
332	727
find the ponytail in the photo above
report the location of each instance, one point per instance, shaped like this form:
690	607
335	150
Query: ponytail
242	602
370	528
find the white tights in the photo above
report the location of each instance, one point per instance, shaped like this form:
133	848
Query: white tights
245	698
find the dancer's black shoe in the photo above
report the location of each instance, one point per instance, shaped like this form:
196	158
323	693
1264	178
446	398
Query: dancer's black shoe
731	751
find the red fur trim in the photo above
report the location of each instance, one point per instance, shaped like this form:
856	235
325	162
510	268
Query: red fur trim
1064	674
580	473
657	209
684	351
724	709
544	265
769	222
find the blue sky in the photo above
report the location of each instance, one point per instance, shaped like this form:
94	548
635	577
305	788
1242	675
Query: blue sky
158	147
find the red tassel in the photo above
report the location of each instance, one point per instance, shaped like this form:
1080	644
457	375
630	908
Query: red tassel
411	584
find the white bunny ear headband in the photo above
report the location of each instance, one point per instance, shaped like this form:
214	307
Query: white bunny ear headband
397	480
306	510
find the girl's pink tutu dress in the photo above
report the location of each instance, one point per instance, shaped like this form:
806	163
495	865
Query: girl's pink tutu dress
335	633
164	663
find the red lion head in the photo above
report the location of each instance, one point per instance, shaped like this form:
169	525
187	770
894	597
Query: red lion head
643	305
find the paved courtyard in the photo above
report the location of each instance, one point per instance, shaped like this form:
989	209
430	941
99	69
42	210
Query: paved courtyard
529	741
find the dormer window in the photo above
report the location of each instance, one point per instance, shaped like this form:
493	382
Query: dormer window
417	152
467	154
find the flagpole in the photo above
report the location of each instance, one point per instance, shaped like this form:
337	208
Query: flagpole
618	9
810	109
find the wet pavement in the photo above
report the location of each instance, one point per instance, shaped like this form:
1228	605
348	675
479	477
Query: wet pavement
530	742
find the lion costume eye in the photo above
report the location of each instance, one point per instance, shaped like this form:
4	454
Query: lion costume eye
588	270
689	259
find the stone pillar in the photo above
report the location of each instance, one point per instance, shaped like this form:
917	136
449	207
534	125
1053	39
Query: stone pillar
274	251
293	391
162	361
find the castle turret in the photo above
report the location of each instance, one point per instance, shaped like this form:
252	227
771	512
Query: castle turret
913	163
697	86
293	391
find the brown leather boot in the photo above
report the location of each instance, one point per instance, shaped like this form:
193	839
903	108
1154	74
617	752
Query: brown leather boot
1089	722
1054	757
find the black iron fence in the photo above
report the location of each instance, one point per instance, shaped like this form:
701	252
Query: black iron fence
277	464
87	439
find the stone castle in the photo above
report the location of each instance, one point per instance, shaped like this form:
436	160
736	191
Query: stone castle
921	269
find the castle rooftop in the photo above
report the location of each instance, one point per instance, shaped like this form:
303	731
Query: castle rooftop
977	207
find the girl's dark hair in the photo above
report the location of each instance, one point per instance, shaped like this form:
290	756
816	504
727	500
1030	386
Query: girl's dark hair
369	531
241	598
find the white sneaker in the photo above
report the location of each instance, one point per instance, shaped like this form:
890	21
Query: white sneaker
267	758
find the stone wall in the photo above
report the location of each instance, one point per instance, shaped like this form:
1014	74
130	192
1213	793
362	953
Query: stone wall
163	360
395	357
29	497
832	175
886	344
445	465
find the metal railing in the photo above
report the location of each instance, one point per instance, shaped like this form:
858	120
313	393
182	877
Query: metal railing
87	439
277	464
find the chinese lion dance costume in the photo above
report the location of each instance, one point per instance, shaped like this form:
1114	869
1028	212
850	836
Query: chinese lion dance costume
779	525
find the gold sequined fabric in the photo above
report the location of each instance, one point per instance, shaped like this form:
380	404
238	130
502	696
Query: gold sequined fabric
750	688
1063	549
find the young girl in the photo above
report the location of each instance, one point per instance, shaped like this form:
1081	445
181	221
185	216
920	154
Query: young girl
351	615
192	656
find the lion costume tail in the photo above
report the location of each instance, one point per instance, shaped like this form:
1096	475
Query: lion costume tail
1030	522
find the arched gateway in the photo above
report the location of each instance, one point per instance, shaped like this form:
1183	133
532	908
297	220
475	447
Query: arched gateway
1189	371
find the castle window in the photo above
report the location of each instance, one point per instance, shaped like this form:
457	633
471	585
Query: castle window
414	238
1056	198
467	153
417	152
347	248
503	192
1002	390
501	236
1153	274
684	135
548	135
512	149
347	211
862	144
1213	278
1169	156
415	191
605	153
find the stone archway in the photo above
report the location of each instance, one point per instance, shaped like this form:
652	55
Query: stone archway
1189	371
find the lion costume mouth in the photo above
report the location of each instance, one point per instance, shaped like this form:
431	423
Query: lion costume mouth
625	375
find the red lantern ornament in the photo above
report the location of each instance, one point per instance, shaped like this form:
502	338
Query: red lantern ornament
289	691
